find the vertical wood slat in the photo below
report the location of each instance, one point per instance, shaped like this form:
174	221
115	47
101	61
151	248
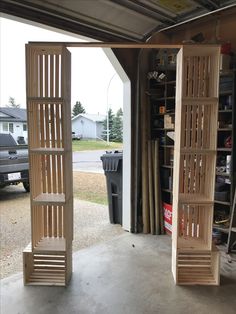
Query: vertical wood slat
150	183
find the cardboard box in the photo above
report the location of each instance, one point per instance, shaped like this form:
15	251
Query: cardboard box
168	123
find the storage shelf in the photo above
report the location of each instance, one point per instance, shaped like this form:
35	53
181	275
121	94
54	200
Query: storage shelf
194	199
223	174
198	151
189	243
50	244
47	151
225	93
225	129
224	149
225	111
163	129
167	190
46	100
167	146
167	166
220	228
200	100
222	203
49	199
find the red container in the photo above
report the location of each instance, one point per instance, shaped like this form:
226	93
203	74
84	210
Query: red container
226	48
167	208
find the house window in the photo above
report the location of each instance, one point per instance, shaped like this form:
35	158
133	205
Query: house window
24	127
5	126
11	129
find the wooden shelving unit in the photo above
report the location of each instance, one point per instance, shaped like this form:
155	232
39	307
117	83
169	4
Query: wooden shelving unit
48	258
163	122
226	129
194	258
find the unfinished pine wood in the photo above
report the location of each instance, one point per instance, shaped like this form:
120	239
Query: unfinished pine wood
193	261
50	158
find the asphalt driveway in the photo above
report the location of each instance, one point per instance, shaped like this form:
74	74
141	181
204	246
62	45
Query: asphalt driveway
88	161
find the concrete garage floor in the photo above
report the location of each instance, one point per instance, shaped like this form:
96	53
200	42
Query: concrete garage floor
129	274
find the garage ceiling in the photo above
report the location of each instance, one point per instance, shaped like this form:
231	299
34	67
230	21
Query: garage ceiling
112	20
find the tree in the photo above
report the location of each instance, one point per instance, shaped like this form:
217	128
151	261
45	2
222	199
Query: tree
110	119
117	127
78	108
12	103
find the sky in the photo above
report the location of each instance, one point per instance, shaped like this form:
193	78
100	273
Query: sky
94	82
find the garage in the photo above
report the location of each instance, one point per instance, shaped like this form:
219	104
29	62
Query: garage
178	72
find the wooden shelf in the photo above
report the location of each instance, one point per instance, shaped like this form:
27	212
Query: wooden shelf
200	100
47	151
189	243
198	151
50	245
49	199
194	199
46	100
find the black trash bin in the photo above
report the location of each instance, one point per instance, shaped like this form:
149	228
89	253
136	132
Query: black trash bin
112	166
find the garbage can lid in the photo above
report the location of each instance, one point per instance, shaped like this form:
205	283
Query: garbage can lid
111	161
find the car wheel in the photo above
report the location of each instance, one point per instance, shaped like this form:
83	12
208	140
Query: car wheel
26	186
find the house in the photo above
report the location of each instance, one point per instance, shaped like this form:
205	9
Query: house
14	121
88	125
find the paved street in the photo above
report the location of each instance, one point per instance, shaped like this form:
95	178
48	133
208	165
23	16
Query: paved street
88	161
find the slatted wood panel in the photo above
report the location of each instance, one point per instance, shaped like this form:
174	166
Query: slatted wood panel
193	262
196	171
50	158
197	268
46	269
194	228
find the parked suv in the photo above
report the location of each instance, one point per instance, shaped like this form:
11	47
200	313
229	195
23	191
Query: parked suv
14	163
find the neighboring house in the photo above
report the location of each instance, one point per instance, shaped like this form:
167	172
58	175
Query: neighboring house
88	125
13	121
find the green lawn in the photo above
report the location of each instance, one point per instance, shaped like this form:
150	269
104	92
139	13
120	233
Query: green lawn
94	145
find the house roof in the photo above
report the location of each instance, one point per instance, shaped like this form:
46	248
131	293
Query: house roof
92	117
13	114
112	20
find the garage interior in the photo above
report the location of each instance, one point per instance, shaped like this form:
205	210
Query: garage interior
132	274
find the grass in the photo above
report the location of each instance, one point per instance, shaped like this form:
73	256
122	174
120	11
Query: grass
90	187
78	146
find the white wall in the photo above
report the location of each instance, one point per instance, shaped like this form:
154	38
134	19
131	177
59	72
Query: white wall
84	127
100	129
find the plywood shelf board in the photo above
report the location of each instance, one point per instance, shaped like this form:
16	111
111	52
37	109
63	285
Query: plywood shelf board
47	151
195	199
52	245
50	198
